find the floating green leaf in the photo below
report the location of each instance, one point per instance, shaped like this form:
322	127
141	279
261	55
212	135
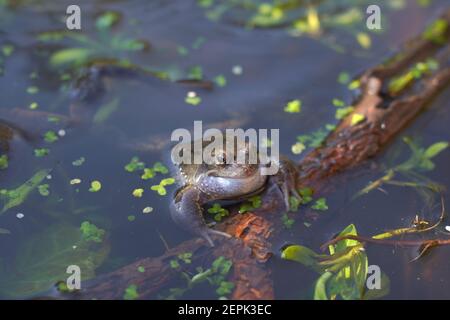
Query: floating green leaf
41	152
341	113
50	137
343	78
159	167
78	162
298	148
306	194
160	189
131	293
364	40
321	204
95	186
287	221
251	204
218	212
138	193
134	165
167	182
293	106
220	80
193	99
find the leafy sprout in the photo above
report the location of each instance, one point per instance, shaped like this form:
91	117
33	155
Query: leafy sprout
218	212
148	174
159	167
251	204
160	188
134	165
287	221
306	194
321	204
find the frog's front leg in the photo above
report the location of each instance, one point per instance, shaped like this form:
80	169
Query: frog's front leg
187	212
286	180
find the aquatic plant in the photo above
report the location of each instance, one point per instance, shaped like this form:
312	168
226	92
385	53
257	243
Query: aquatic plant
343	272
80	48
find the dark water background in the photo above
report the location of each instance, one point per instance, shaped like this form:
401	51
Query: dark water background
277	68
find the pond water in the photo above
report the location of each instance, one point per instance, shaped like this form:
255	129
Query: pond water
256	70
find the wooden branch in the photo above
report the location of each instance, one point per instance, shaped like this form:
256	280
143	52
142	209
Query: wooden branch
348	146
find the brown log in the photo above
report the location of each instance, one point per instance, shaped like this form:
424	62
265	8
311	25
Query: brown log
348	146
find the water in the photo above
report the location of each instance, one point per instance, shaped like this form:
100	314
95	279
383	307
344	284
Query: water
276	68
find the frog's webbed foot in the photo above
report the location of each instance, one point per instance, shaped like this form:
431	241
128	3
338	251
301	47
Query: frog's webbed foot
187	212
286	180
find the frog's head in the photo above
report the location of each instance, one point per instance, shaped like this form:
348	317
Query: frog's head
234	161
231	174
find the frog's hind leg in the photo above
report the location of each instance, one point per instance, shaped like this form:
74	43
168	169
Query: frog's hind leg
286	180
187	212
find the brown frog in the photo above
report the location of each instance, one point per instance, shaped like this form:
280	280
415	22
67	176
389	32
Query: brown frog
224	181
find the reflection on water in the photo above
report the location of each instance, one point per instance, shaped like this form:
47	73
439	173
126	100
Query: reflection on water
255	73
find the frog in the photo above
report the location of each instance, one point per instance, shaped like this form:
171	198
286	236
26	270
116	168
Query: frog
226	181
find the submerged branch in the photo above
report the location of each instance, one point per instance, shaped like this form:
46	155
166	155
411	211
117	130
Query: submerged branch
382	239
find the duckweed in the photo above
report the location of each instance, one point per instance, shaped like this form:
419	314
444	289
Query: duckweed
95	186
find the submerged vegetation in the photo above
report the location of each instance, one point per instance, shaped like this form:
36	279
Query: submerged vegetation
419	161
